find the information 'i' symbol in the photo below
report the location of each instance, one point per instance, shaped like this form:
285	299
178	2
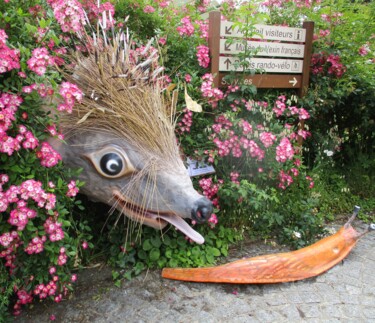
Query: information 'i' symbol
295	66
298	35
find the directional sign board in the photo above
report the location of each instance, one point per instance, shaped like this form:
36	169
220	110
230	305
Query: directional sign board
278	55
260	48
266	32
285	81
262	64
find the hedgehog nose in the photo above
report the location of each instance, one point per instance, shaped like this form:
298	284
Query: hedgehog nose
202	210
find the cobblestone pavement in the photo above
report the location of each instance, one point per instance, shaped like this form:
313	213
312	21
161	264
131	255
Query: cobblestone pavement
346	293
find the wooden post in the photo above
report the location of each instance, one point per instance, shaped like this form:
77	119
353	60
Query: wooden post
309	26
214	43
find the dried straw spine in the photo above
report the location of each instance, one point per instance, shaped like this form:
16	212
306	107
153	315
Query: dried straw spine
122	90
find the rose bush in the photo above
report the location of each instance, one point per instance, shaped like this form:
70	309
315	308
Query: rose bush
41	240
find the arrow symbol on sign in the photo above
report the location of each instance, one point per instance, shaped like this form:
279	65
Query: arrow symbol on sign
228	62
227	47
293	82
228	30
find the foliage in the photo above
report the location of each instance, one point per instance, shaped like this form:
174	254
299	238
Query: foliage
41	237
339	191
143	24
292	217
170	249
342	104
6	294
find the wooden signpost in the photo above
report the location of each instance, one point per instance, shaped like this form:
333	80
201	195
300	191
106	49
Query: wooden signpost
281	55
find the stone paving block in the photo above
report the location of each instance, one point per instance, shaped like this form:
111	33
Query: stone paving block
351	299
334	311
369	312
309	285
369	273
239	306
271	288
268	315
337	269
289	287
353	268
371	255
350	279
275	299
353	311
354	290
309	310
323	278
285	286
323	287
340	286
310	297
332	298
368	285
290	312
368	299
294	298
246	289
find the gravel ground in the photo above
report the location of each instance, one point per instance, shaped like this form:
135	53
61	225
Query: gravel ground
346	293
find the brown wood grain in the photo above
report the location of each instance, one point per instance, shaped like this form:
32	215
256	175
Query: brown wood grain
269	81
214	43
276	268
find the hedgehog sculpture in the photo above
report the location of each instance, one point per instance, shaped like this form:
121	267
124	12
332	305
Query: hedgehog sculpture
122	135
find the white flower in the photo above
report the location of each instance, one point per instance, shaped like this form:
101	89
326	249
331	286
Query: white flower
329	153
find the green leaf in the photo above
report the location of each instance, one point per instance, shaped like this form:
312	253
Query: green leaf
215	252
196	251
166	240
173	263
31	29
16	169
127	275
224	251
154	254
142	254
66	223
210	258
115	274
161	262
169	253
139	267
156	242
146	246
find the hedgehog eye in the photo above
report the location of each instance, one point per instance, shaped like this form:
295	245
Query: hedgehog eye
111	162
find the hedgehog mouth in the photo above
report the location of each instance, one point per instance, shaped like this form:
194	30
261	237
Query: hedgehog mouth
155	219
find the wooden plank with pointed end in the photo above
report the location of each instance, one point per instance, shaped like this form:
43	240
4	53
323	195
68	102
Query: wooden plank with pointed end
277	268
